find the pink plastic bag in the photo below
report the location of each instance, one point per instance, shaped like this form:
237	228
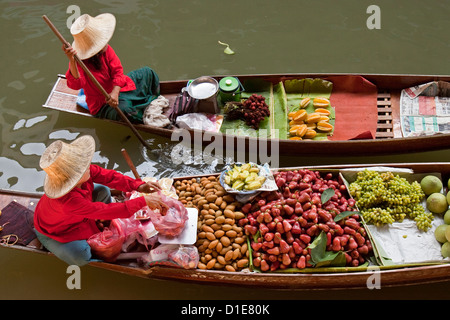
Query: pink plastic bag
107	244
130	228
186	257
147	235
171	221
137	230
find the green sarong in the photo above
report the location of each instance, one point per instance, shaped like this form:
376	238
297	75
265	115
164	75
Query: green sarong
133	103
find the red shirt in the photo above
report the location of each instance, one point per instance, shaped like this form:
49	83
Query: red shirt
109	76
72	216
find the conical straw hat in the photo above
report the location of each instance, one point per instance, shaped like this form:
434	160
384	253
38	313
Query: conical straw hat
65	164
92	34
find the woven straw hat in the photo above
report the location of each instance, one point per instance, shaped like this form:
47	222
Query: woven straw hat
65	164
92	34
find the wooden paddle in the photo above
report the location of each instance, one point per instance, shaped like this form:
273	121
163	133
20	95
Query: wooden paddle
96	83
130	163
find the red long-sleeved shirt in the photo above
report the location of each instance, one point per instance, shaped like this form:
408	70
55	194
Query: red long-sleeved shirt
109	76
72	216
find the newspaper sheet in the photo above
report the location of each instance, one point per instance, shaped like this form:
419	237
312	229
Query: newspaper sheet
425	109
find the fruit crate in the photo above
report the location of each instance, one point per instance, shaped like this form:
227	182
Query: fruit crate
401	243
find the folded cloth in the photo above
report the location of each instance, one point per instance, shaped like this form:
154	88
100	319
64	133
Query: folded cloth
354	99
154	113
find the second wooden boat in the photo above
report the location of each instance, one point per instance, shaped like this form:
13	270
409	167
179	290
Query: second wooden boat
378	129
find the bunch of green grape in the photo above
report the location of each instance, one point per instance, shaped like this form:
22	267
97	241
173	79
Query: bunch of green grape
384	198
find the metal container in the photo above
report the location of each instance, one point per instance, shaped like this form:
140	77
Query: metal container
230	89
204	89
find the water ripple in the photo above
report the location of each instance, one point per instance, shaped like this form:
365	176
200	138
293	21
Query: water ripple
161	161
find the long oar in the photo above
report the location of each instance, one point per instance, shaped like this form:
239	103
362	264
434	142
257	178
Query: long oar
130	163
96	83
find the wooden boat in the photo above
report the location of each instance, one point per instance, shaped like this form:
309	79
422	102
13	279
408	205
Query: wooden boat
387	138
346	278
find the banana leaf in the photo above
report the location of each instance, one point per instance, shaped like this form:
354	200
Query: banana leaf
281	98
312	88
298	89
239	127
279	114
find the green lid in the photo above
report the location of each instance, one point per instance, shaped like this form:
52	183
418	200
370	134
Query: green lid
229	84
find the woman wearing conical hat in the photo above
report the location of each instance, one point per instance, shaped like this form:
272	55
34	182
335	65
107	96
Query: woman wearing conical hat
131	92
65	216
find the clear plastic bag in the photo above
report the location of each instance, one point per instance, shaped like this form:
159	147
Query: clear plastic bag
185	256
199	121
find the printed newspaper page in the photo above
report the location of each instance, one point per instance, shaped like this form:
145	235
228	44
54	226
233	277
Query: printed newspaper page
425	109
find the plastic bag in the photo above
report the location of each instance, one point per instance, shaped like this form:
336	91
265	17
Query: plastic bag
171	221
199	121
147	234
167	189
107	244
166	185
135	230
185	256
161	252
130	228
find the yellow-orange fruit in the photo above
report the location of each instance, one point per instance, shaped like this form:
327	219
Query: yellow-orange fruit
324	126
295	138
321	102
293	129
322	111
291	115
304	103
310	133
313	117
296	122
300	115
301	130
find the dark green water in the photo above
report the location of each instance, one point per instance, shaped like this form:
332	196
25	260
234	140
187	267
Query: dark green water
179	40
